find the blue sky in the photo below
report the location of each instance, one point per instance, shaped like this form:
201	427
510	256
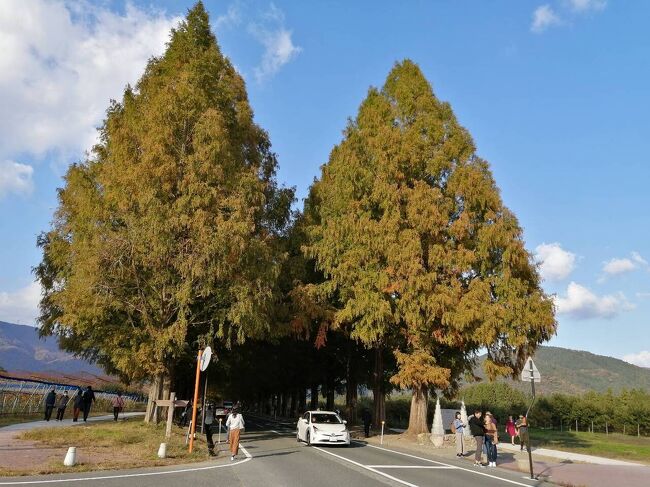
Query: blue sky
554	93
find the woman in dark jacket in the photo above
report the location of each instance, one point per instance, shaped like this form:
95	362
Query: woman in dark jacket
77	405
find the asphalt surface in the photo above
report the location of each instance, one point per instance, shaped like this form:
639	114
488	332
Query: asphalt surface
271	456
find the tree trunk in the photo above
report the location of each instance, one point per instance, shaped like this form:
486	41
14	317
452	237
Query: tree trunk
418	415
155	392
330	398
283	411
351	387
378	389
294	403
313	403
302	400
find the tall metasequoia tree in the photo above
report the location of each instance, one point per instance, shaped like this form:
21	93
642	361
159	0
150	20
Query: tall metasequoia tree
418	247
169	230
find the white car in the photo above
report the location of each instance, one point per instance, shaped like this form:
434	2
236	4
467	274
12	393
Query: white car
322	428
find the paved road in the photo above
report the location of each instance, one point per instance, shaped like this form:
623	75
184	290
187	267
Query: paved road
274	458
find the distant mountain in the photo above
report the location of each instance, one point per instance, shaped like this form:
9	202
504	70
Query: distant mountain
22	350
575	371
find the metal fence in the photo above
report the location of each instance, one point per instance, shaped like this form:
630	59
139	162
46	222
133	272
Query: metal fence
24	396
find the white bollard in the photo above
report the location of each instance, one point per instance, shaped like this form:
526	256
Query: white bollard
162	451
71	457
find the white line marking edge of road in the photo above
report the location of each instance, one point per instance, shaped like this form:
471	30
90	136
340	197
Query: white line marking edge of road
366	467
442	467
130	475
456	467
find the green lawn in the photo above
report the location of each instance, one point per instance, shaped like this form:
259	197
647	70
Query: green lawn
615	445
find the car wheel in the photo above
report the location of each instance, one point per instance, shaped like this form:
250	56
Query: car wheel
308	439
298	437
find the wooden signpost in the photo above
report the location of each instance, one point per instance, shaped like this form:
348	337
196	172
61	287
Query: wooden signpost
170	403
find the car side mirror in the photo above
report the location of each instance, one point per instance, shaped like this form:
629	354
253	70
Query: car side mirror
345	421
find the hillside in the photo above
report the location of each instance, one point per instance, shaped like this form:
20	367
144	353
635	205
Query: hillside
22	350
575	371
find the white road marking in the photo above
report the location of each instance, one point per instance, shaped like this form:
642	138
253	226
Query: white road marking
442	467
448	465
378	472
407	455
130	475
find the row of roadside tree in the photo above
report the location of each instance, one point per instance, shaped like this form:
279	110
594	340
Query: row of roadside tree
173	234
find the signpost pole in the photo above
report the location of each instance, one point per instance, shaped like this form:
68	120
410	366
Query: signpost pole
196	399
205	391
170	415
530	453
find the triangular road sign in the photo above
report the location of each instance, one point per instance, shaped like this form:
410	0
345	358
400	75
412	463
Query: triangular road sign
530	373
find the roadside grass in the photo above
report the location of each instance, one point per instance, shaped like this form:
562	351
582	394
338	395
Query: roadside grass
614	445
124	444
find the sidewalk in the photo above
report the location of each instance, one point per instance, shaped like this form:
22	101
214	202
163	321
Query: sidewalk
58	424
564	468
569	456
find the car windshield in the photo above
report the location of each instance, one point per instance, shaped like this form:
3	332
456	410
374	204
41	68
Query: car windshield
324	418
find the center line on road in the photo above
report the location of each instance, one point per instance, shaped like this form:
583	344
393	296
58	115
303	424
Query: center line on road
378	472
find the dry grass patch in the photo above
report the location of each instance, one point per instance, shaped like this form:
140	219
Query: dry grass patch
101	446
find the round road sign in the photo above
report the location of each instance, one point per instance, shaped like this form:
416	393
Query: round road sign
205	358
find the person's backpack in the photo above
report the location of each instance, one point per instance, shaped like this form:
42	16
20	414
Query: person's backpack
452	426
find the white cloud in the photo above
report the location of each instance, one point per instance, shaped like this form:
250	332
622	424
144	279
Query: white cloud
279	48
231	18
60	64
623	265
15	178
642	359
586	5
638	259
555	262
20	306
618	266
544	17
581	303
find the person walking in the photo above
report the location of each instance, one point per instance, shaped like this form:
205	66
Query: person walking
522	431
366	418
50	401
477	429
77	405
491	439
459	428
87	401
118	405
234	423
207	427
511	430
63	403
